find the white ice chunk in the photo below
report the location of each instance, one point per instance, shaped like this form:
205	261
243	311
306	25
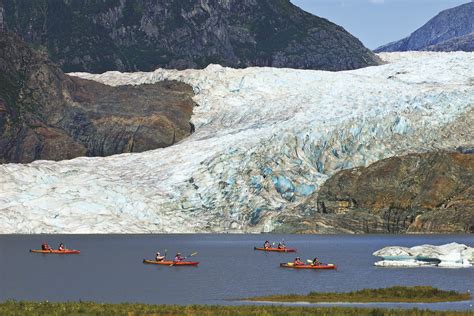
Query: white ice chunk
451	255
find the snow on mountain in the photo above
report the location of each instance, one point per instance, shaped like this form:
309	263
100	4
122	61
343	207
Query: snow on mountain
265	140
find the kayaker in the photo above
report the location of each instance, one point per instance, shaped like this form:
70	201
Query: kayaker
61	247
178	258
159	257
316	262
266	245
298	262
281	245
45	246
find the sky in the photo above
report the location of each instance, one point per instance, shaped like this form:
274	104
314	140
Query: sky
378	22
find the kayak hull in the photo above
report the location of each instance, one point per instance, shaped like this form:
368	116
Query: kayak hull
275	249
171	263
308	266
57	252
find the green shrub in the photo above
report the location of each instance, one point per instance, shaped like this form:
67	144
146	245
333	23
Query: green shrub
416	294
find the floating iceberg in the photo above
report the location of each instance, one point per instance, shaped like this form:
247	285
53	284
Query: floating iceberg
451	255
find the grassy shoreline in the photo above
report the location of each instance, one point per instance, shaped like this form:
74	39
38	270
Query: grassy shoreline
396	294
88	308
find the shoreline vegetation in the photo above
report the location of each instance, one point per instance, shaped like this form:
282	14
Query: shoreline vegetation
89	308
396	294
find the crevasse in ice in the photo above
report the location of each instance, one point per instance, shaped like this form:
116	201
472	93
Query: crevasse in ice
265	141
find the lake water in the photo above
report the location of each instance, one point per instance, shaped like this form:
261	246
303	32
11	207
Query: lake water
110	268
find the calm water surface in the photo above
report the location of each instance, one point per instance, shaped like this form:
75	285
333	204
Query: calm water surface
110	268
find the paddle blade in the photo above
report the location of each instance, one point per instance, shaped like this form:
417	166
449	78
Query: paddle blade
193	254
309	261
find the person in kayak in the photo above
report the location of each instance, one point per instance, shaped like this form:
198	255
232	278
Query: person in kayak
61	247
266	244
298	262
159	257
281	245
45	246
178	258
316	262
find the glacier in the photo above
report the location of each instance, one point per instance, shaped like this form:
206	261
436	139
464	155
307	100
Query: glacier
451	255
265	141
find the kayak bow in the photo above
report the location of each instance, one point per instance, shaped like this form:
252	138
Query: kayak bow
171	263
275	249
329	266
58	252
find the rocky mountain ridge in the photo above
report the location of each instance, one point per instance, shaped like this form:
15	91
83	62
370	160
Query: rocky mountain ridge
1	16
463	43
132	35
450	30
45	114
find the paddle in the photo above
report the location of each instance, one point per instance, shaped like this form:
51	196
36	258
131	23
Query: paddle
175	262
310	262
320	263
166	251
281	245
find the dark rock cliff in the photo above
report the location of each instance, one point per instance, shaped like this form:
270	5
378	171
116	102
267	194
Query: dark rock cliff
432	192
1	15
45	114
445	27
130	35
463	43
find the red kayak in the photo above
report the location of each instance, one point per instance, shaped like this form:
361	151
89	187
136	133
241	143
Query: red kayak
172	263
275	249
58	252
290	265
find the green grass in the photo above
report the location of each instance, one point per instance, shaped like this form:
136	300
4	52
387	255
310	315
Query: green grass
83	308
396	294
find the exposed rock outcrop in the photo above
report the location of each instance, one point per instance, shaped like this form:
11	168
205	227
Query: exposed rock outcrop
448	31
1	16
463	43
131	35
45	114
431	192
